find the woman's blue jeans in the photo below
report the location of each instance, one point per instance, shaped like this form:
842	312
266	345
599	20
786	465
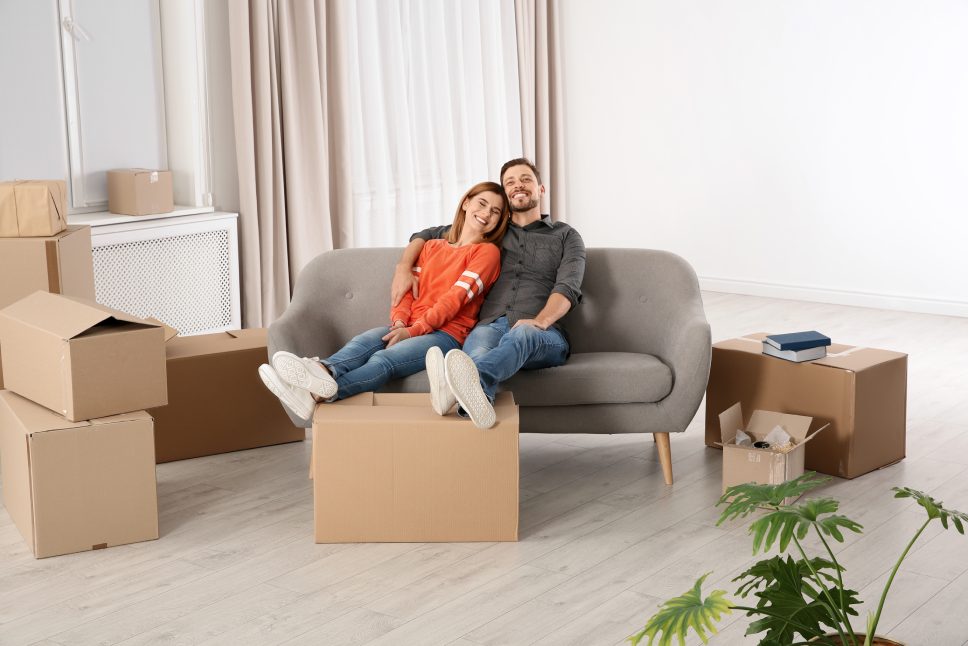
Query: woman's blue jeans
365	363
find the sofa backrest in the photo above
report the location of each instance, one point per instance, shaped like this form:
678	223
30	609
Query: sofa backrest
632	298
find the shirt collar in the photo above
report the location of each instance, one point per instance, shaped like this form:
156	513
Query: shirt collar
545	220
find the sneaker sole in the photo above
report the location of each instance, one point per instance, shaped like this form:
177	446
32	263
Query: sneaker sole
292	370
281	390
465	382
441	398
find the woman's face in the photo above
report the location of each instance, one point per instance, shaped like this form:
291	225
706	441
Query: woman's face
482	212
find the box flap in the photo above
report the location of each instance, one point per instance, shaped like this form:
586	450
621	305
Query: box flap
64	316
34	418
730	421
215	343
170	332
857	358
133	416
763	421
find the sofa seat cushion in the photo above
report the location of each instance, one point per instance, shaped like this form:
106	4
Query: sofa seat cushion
587	378
594	378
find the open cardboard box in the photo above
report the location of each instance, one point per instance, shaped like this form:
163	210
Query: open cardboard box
386	468
216	401
77	486
742	464
60	264
861	391
81	359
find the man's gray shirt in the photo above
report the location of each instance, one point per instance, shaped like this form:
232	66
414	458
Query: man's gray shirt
537	260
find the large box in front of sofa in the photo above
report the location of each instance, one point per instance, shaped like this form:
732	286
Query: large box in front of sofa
861	391
77	486
386	468
216	401
81	359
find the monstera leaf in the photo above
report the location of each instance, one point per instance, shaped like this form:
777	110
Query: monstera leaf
780	526
934	508
681	613
789	603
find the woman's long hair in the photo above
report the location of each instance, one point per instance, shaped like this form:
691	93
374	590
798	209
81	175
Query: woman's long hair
497	233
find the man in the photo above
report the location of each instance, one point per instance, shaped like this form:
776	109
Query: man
542	267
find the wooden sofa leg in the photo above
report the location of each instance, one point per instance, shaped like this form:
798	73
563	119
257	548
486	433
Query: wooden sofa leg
665	455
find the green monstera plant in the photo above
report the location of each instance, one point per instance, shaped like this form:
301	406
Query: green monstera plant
798	599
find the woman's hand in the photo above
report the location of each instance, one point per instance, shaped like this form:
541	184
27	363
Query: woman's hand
396	335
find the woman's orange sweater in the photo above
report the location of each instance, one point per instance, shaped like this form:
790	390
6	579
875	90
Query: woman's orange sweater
452	282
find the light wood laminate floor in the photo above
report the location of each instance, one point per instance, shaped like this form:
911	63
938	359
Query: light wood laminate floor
603	540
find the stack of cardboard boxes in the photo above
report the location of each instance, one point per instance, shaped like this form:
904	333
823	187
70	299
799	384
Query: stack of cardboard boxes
861	393
78	448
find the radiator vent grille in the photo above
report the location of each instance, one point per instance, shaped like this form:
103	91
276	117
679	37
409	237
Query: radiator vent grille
182	280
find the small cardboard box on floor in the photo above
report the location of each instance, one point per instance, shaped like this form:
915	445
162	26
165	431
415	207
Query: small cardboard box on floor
81	359
386	468
77	486
771	466
216	401
861	391
60	264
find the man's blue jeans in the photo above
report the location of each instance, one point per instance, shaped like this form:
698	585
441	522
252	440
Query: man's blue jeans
499	351
365	363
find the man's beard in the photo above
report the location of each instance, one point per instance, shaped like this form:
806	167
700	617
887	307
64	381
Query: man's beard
533	203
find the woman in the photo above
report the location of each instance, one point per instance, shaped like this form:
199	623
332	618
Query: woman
453	275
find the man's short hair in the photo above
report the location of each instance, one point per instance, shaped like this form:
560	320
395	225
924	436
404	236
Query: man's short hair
520	161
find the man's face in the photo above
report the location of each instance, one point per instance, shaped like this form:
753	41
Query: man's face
522	188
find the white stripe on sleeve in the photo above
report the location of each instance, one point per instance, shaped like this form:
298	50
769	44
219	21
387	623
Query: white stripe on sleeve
476	277
467	287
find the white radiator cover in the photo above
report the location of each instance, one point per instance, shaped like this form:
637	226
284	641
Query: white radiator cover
181	270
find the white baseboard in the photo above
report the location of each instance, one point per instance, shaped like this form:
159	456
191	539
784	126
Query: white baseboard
836	296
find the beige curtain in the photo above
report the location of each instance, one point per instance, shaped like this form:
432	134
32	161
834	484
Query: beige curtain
288	96
539	76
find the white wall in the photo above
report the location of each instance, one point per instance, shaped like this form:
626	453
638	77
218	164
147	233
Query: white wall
33	130
814	150
225	172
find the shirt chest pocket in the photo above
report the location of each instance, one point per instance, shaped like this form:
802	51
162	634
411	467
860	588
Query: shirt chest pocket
547	252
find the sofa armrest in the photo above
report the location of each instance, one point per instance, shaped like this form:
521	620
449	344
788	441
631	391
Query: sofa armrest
688	353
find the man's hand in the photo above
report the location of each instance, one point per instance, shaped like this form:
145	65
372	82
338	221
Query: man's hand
403	281
396	335
533	323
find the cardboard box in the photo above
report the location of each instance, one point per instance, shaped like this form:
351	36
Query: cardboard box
61	264
216	401
81	359
139	191
861	391
386	468
77	486
742	464
33	208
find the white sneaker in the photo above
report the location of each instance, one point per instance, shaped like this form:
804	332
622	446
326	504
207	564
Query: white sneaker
297	400
441	397
465	382
305	373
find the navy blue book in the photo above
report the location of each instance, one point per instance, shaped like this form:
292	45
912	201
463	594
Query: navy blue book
798	340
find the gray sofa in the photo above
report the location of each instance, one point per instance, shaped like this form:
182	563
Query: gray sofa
640	341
